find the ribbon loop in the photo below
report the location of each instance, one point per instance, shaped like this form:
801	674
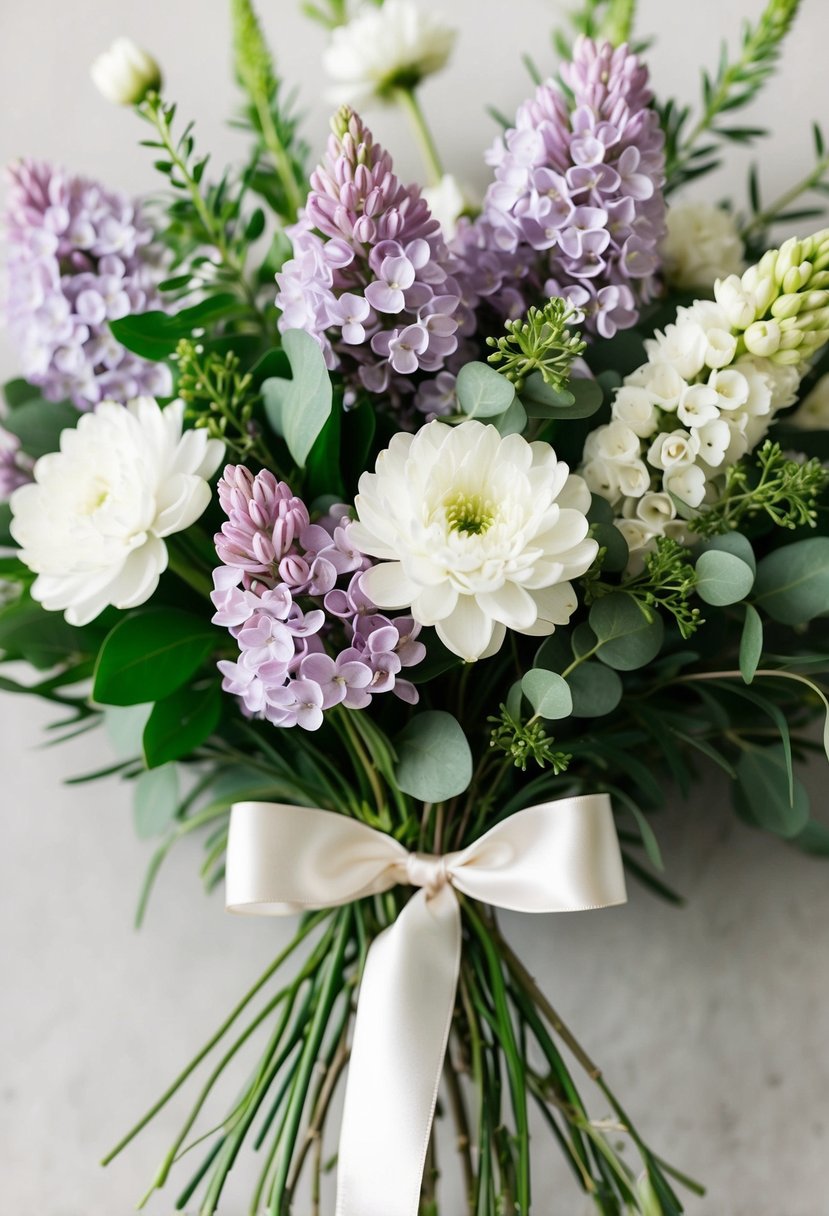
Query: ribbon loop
555	857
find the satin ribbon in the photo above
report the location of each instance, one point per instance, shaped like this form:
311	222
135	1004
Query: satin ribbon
558	856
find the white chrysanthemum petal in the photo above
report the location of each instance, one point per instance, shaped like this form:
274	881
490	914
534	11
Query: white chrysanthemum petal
474	527
91	523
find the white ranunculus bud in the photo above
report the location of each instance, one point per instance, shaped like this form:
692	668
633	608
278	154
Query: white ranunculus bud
687	482
125	73
655	510
447	203
813	413
702	244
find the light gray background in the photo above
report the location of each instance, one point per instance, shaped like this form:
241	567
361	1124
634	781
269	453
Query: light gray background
709	1021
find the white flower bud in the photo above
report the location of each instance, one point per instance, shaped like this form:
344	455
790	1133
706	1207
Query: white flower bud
125	73
731	388
714	441
655	510
673	448
634	406
698	405
634	478
686	482
721	348
763	338
735	301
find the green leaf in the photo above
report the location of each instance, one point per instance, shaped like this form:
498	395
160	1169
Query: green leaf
6	539
434	758
323	465
814	839
736	543
12	570
751	643
149	655
548	693
482	392
155	335
613	542
793	582
42	638
298	408
627	637
764	796
580	399
155	801
554	652
439	659
124	725
38	425
17	392
722	578
180	723
596	690
513	421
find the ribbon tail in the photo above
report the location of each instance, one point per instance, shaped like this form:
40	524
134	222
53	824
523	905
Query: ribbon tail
401	1031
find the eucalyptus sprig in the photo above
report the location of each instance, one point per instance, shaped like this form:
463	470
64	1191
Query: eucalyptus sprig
785	490
540	342
525	741
737	82
667	582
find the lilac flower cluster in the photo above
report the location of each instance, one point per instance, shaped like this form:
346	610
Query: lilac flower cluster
576	207
370	278
15	466
274	562
79	256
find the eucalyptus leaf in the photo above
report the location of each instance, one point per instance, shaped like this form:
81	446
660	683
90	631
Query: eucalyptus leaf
514	701
751	643
124	725
610	539
722	578
554	652
627	637
513	421
149	655
482	392
434	757
541	400
155	801
596	690
298	409
736	543
793	582
765	796
548	693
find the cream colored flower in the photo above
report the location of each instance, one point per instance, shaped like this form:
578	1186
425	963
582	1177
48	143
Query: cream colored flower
383	48
702	244
91	525
447	203
125	73
475	533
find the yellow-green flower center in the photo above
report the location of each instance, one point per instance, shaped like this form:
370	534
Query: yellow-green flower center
469	514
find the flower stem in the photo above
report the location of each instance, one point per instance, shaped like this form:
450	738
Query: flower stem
181	564
765	217
410	103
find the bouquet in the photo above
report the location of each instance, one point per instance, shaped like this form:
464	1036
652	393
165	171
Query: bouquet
413	550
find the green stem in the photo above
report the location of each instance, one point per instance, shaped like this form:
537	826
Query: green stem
409	101
180	564
282	162
763	218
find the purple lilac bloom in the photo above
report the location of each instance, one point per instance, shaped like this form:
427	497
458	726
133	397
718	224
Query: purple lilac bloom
15	466
371	278
576	207
305	642
79	256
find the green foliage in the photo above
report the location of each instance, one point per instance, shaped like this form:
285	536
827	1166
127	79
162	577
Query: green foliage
434	761
181	722
542	342
271	120
751	643
18	391
221	399
601	20
581	399
784	490
150	654
693	152
38	424
481	392
767	796
596	690
297	409
155	801
525	741
793	582
722	578
628	633
782	210
548	694
667	581
155	335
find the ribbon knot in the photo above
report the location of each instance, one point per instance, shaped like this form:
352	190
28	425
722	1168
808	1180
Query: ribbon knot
555	857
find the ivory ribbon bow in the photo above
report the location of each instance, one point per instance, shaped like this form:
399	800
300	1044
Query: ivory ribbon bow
558	856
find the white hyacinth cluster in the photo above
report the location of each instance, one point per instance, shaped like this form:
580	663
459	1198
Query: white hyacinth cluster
702	244
709	391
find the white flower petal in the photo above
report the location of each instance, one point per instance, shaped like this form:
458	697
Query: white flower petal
467	631
389	586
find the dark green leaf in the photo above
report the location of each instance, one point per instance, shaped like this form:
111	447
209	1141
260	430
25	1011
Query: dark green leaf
38	425
181	723
149	655
793	582
596	689
18	392
155	335
42	638
765	797
751	643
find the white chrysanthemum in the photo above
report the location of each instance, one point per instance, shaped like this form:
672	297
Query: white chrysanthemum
475	532
702	244
125	73
385	48
92	522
